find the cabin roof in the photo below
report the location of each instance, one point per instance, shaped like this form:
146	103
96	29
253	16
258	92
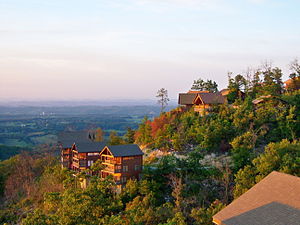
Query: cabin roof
186	98
289	81
207	98
89	146
269	214
277	191
225	91
125	150
264	98
67	138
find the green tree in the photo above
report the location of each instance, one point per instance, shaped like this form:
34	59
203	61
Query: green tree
243	149
39	218
129	136
114	139
203	216
283	156
144	131
201	85
162	95
236	86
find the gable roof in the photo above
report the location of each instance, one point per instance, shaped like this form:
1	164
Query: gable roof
125	150
264	98
67	138
225	91
207	98
269	214
276	187
291	80
212	98
186	98
89	146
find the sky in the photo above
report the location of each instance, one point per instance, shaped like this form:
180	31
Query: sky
128	49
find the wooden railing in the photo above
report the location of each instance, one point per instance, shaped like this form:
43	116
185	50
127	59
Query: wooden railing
110	161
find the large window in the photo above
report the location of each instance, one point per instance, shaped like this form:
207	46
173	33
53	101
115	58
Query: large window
90	162
123	179
118	168
93	153
125	168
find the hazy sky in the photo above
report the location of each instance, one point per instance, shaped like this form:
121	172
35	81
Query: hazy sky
98	49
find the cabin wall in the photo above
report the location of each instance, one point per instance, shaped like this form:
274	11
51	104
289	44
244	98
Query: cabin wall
66	158
132	166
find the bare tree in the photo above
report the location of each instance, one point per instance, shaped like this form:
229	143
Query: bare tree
162	95
295	68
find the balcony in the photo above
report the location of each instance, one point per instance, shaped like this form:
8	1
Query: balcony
109	161
109	169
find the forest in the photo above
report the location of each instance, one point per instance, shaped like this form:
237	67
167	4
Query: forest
193	165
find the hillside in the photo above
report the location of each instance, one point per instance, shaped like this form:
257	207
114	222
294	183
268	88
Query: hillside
194	166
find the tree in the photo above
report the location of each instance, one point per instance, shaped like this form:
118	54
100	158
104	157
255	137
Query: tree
99	135
295	68
203	216
272	80
114	139
201	85
236	86
129	136
295	76
242	149
282	156
143	134
162	95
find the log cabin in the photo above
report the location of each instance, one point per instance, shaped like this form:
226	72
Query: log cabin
122	162
201	101
292	84
84	154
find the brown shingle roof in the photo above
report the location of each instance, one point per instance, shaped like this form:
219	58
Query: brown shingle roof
224	91
212	98
186	98
125	150
207	98
276	187
68	138
273	213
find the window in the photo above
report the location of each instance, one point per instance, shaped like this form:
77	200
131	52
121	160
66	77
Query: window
123	179
90	162
118	168
137	167
93	153
125	168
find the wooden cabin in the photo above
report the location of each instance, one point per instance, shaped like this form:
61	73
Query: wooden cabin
274	200
84	154
275	101
240	94
66	157
201	101
292	84
123	162
66	140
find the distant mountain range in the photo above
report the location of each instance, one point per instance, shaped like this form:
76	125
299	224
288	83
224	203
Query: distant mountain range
63	103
